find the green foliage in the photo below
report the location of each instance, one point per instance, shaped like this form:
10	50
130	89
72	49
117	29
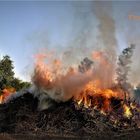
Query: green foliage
18	84
6	72
7	78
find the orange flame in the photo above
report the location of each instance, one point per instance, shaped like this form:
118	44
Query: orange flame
89	89
93	96
6	93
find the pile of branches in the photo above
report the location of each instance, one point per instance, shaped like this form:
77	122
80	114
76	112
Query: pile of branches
21	116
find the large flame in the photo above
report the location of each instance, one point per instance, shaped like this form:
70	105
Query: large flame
93	96
89	88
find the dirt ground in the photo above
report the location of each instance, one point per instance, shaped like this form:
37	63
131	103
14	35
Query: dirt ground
130	136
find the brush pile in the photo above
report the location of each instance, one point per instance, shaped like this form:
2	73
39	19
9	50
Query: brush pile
20	116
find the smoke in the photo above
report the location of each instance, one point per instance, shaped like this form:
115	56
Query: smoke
83	34
103	69
128	32
59	85
60	78
107	38
123	69
95	32
134	77
106	27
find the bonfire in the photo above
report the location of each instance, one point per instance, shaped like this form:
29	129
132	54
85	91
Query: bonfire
75	101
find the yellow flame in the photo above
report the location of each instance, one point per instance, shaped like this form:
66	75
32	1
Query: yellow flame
80	101
127	111
102	112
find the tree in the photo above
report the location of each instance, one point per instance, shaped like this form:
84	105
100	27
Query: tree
6	72
19	84
85	65
123	69
7	78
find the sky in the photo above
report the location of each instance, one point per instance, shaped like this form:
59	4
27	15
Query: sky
28	26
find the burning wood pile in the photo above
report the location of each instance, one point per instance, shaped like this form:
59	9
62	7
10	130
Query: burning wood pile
80	102
20	116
